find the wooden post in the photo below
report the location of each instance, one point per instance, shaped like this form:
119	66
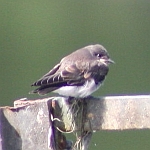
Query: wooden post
40	124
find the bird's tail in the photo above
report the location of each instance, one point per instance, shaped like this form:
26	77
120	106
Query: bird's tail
43	90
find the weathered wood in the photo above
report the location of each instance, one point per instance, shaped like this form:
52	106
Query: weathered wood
26	125
111	113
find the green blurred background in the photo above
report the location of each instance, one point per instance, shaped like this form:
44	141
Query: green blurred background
36	34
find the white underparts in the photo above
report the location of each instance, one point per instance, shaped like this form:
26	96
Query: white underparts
79	91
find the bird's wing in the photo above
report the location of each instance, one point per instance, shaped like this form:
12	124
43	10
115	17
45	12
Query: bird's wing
44	80
69	75
74	74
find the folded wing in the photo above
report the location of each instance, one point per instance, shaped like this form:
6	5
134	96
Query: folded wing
56	78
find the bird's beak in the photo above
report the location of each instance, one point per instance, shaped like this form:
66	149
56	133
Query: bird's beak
106	61
110	61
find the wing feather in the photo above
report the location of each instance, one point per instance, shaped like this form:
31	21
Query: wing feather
57	77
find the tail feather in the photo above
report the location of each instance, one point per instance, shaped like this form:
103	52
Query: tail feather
43	90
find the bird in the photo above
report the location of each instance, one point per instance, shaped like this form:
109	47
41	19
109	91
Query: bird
78	75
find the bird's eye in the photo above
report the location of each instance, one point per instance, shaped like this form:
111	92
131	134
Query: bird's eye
99	55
